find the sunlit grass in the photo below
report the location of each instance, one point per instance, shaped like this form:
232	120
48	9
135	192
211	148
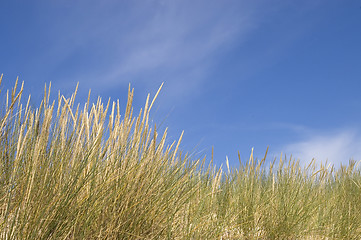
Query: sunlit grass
92	172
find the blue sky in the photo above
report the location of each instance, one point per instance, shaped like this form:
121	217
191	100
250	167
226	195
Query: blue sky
237	74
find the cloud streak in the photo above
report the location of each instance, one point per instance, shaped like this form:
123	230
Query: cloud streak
165	40
336	148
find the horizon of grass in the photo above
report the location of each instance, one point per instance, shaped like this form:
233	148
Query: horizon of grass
68	172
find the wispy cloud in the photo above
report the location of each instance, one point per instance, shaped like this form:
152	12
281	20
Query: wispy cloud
336	148
166	40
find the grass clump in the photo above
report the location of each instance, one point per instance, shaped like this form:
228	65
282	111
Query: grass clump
89	173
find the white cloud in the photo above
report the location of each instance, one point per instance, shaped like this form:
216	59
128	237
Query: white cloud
336	148
169	41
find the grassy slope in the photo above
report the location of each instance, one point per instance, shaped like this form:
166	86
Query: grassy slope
88	173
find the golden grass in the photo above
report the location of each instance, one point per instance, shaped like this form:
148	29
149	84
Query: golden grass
90	173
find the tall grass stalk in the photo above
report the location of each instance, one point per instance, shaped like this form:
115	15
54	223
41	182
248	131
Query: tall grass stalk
72	172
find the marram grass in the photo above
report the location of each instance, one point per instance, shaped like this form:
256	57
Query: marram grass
92	172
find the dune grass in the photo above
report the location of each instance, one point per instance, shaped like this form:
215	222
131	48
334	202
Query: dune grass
72	172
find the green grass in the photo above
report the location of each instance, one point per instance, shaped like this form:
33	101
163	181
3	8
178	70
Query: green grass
88	172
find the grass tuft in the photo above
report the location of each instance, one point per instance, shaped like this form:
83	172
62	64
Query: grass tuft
71	172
